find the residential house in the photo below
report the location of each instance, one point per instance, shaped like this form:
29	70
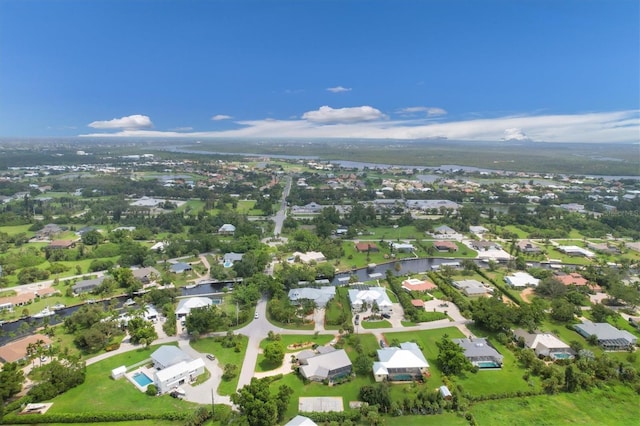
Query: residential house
180	267
367	248
186	305
363	298
472	288
479	352
485	245
545	344
227	229
146	275
609	337
326	366
402	247
406	363
301	421
230	258
576	251
527	246
573	278
174	368
310	256
19	349
49	230
478	230
86	286
414	284
444	230
61	244
320	296
445	246
521	280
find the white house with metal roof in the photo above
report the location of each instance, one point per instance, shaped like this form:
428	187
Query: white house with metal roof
521	279
320	296
361	299
406	363
186	305
326	366
174	368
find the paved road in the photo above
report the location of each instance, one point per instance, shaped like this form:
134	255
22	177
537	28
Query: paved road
281	214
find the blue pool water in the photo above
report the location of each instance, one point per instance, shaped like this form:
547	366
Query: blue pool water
216	301
488	364
227	264
142	379
562	356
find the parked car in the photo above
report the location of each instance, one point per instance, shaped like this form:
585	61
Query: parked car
386	316
357	316
356	322
383	344
256	316
211	357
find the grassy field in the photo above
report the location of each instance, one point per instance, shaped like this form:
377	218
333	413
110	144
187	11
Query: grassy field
224	356
101	393
338	306
609	406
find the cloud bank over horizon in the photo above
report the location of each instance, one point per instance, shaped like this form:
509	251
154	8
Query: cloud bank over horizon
367	122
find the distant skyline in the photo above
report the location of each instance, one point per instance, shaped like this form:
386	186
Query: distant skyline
544	70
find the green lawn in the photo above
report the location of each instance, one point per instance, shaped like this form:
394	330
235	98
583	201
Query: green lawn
336	308
609	406
348	391
224	356
291	339
376	324
101	393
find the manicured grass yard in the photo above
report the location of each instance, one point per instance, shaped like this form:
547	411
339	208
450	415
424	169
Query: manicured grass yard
291	339
609	406
224	356
100	393
375	324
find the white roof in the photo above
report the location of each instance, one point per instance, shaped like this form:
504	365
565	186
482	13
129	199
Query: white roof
377	294
319	295
179	369
521	279
408	355
549	341
169	355
301	421
186	305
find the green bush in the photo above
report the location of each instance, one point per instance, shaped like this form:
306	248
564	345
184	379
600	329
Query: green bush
152	390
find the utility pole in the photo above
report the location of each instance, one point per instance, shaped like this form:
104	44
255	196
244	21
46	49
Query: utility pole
213	407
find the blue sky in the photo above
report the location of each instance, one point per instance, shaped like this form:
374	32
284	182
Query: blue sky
477	70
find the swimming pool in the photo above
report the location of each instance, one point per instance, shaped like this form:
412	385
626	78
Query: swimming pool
561	355
487	364
227	264
142	379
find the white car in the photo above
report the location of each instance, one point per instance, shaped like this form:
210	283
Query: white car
256	316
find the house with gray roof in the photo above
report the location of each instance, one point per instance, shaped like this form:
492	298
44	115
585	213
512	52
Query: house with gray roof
327	366
145	275
166	356
86	286
180	267
301	421
231	258
479	352
320	296
609	337
472	287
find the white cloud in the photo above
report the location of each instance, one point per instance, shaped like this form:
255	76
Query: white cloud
429	111
367	123
182	129
220	117
338	89
328	115
136	121
515	134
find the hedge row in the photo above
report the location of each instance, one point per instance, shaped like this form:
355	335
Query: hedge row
500	286
458	299
334	416
94	417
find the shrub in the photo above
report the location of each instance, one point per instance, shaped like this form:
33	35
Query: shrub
152	390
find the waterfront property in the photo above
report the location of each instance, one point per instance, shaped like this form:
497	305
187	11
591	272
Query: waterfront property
363	298
186	305
319	296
